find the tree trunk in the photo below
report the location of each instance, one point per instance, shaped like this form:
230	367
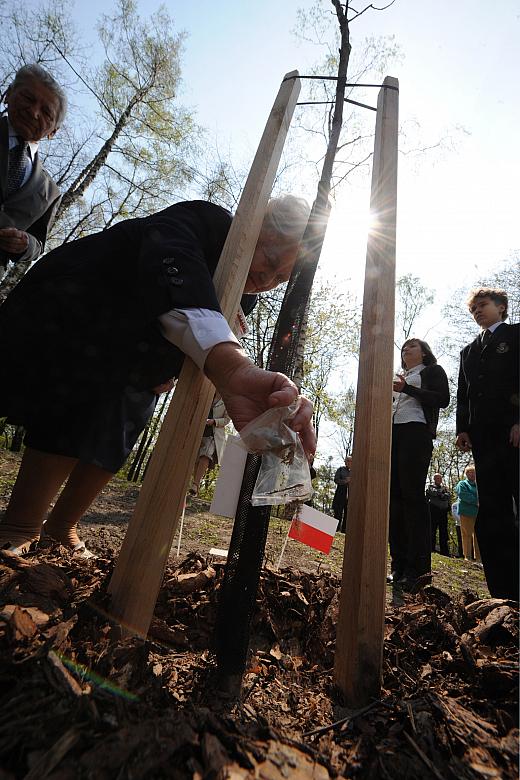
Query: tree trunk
12	277
17	440
134	469
144	453
89	173
324	185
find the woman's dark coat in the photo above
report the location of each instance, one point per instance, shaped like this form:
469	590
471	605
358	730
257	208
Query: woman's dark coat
434	394
81	327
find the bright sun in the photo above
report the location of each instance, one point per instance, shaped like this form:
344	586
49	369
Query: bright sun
345	245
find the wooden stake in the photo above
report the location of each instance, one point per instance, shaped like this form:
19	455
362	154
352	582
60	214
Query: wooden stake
140	567
359	642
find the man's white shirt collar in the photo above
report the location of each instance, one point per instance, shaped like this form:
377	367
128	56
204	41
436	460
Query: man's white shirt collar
492	328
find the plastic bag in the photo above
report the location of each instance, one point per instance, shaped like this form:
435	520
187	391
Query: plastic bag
284	474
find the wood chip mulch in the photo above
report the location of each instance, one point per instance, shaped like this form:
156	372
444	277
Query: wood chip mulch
76	702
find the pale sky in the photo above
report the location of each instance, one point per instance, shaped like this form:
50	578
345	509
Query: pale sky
457	212
457	209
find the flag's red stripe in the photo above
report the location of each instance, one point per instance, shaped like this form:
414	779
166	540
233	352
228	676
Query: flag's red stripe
313	537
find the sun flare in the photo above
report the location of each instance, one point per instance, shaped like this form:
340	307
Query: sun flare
347	233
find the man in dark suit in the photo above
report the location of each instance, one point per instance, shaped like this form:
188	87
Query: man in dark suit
340	500
488	424
439	501
28	196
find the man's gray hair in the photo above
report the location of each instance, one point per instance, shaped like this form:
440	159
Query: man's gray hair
287	216
36	71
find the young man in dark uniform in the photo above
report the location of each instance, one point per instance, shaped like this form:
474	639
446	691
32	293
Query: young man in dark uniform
488	424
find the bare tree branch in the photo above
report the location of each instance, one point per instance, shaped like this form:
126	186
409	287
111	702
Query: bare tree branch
373	7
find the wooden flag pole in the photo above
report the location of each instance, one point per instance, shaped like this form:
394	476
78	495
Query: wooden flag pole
283	547
139	570
359	642
180	529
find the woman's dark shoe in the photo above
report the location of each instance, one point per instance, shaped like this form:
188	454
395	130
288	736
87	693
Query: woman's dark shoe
414	584
394	577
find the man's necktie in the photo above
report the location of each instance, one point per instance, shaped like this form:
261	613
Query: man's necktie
16	166
486	336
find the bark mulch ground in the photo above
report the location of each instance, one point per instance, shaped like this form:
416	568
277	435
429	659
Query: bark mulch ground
78	703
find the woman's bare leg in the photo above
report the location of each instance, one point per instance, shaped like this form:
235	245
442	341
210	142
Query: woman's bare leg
83	486
200	469
39	478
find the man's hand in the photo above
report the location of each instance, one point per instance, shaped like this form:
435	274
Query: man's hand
248	391
463	442
13	241
514	435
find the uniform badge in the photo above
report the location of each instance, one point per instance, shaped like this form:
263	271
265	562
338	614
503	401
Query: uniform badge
502	347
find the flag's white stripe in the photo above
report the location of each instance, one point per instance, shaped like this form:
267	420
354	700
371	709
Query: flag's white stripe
318	520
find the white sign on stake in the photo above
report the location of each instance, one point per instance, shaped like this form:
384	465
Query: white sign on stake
229	482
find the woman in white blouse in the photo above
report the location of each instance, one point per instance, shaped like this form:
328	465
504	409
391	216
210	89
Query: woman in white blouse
419	392
213	442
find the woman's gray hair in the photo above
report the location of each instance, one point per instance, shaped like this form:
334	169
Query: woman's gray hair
36	71
287	216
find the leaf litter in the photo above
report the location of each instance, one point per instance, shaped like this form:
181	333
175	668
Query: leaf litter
76	702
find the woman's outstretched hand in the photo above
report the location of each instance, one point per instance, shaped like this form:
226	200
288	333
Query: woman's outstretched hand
248	391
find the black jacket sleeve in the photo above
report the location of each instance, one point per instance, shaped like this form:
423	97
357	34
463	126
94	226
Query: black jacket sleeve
179	249
435	390
462	423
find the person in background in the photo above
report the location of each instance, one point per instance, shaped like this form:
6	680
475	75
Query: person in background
102	323
467	494
439	501
212	445
312	470
29	198
340	500
419	392
314	474
488	424
456	516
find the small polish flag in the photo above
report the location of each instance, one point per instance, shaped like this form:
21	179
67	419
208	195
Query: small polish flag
313	528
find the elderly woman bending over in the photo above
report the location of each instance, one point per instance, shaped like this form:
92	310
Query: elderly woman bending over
99	324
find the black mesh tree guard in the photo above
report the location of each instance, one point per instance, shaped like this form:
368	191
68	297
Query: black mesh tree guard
248	540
